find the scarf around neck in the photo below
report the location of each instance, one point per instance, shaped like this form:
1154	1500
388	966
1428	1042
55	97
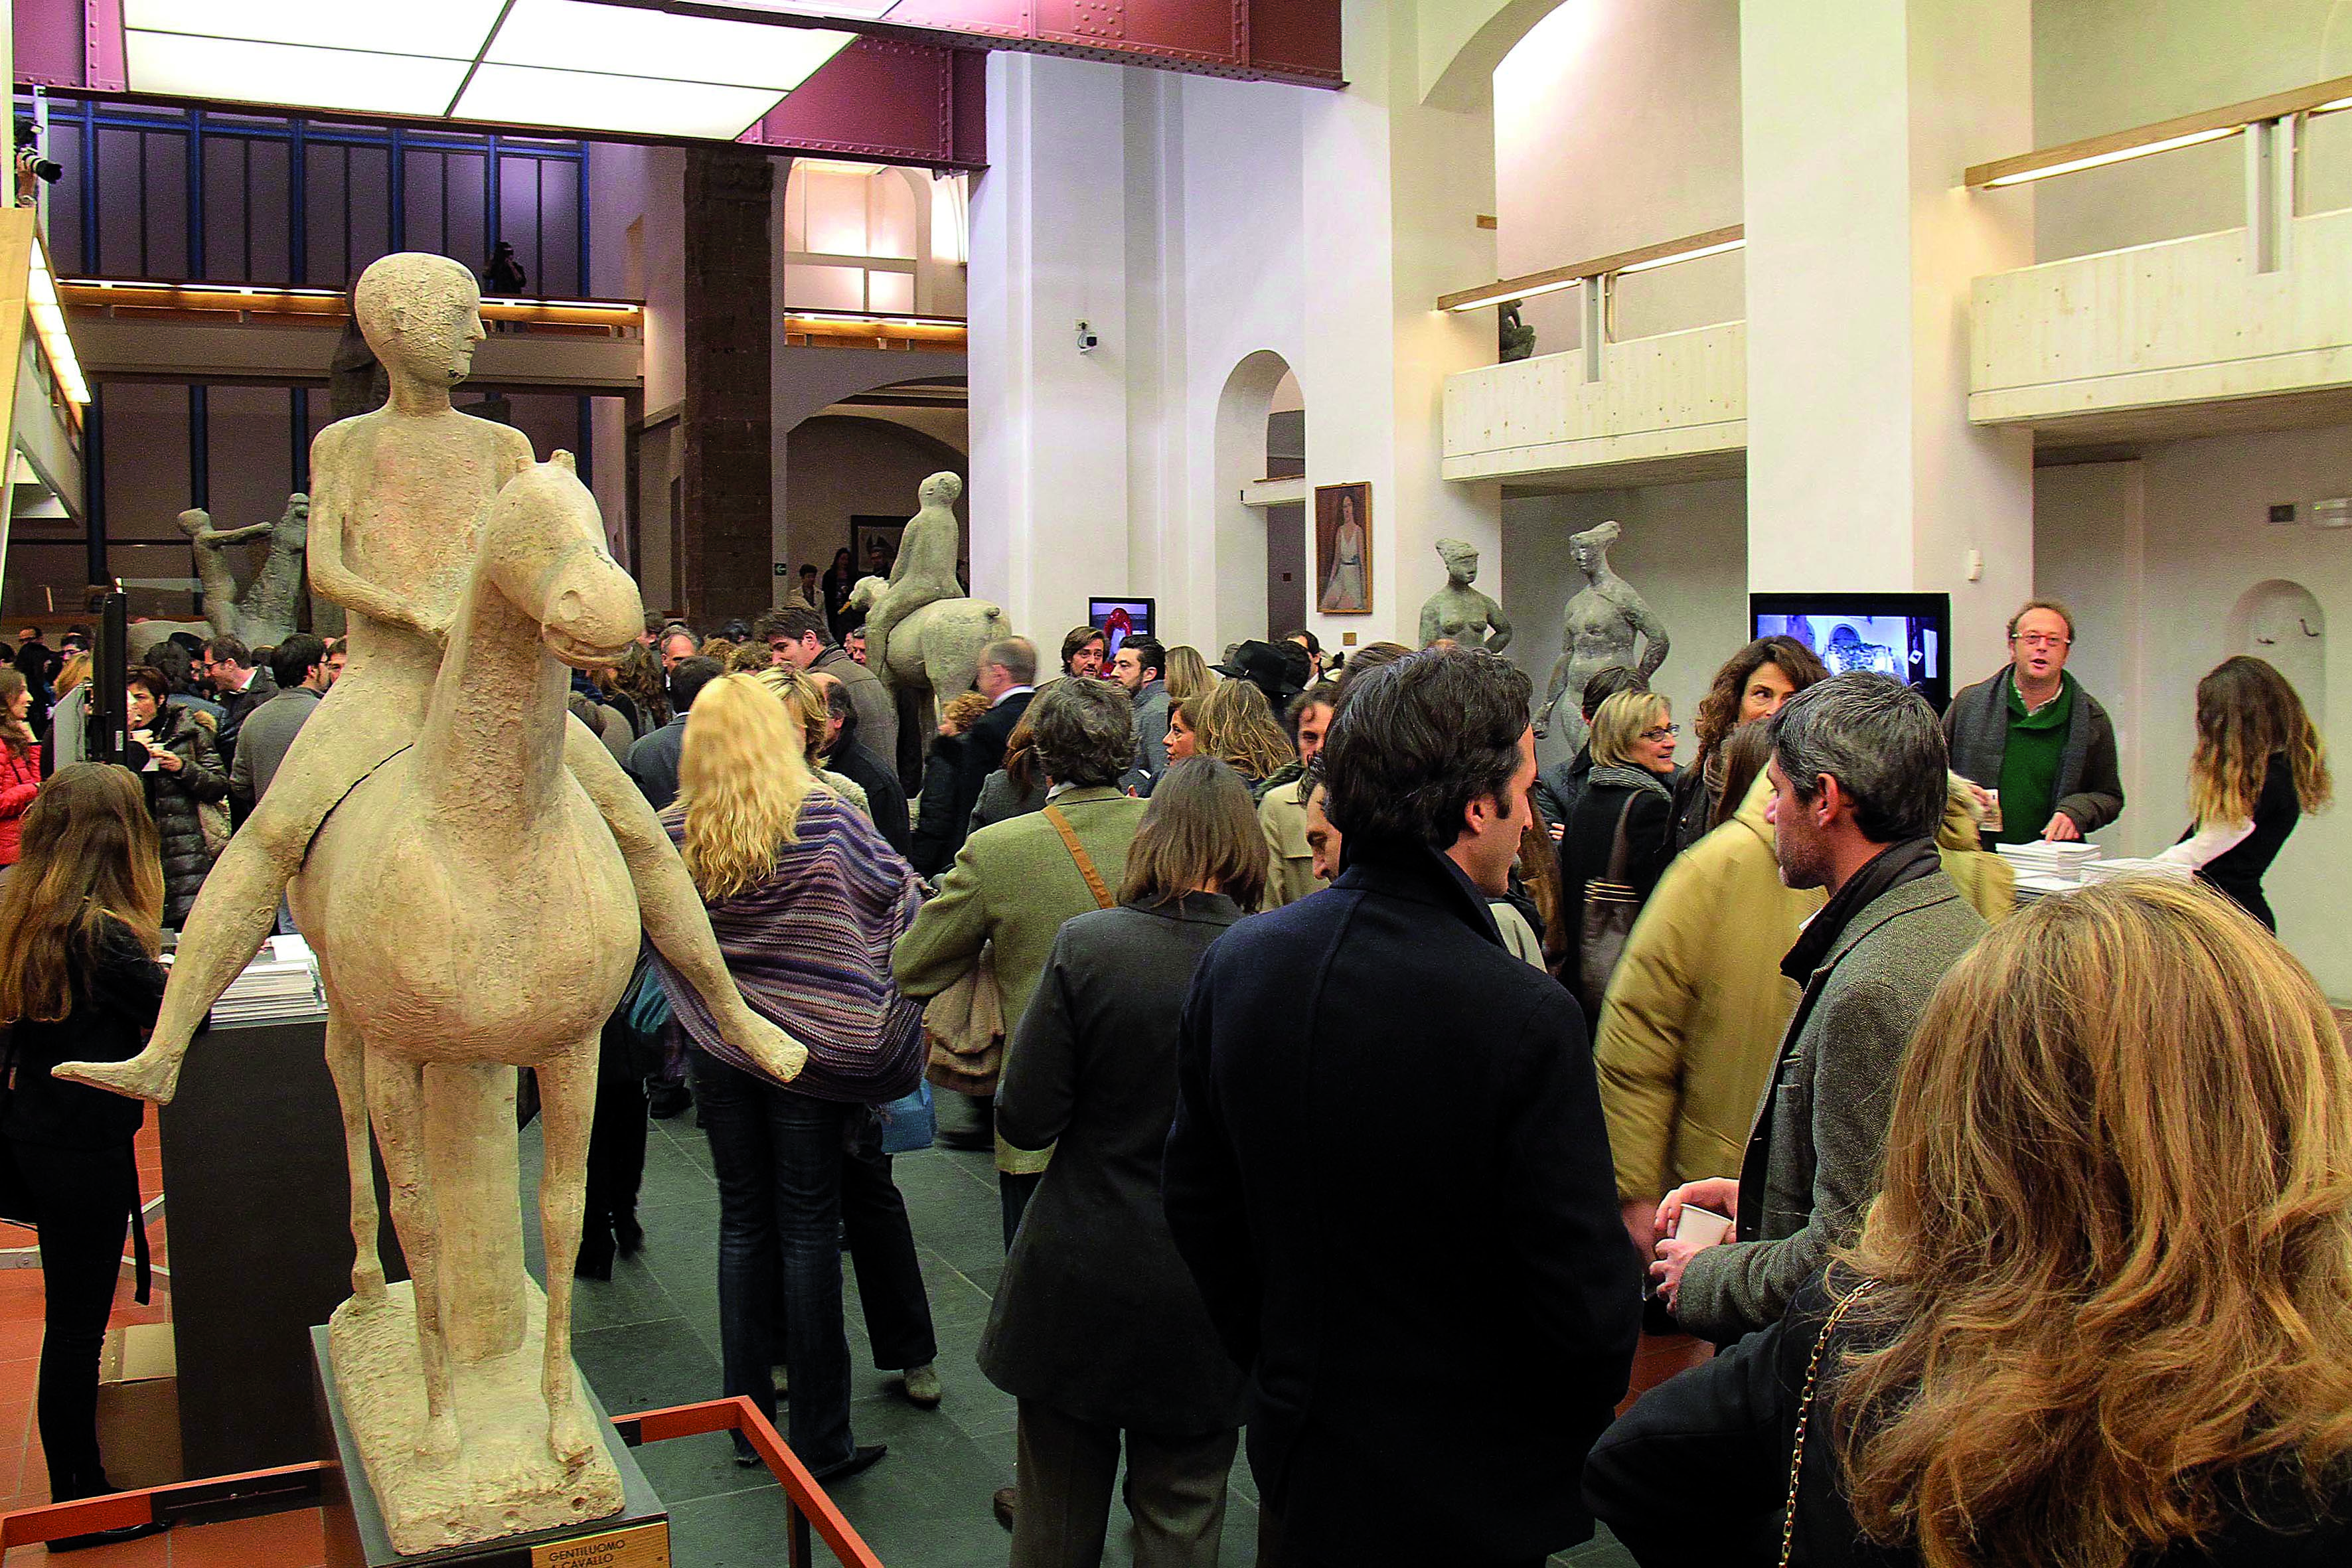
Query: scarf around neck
1890	868
1625	777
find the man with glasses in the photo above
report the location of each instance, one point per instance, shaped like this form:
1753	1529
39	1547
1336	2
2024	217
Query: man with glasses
2032	742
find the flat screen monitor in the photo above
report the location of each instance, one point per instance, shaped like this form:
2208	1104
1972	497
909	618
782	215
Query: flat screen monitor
1120	620
1907	636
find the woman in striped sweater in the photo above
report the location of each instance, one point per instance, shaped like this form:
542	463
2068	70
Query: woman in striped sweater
806	899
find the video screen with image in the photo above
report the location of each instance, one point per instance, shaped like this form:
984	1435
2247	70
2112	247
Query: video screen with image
1120	620
1907	636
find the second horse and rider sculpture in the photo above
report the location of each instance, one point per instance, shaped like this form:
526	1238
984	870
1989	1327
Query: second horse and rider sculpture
473	869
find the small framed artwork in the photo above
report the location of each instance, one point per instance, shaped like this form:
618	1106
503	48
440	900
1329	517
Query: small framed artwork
874	544
1343	549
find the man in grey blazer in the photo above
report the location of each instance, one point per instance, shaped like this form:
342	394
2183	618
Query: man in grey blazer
1858	780
1858	773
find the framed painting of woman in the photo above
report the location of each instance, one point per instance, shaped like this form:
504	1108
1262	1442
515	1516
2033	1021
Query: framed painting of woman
1343	549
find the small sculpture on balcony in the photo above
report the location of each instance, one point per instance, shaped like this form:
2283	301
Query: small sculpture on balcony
1603	624
1458	612
1514	339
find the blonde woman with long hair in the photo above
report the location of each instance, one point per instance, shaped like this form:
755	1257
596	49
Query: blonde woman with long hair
2102	1313
79	919
806	900
2259	766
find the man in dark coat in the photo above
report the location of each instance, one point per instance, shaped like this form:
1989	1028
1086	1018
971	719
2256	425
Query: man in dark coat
238	686
1008	673
1389	1171
652	761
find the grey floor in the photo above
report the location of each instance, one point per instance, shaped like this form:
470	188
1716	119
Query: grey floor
650	1338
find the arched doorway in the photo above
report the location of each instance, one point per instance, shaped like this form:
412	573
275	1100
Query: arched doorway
1261	520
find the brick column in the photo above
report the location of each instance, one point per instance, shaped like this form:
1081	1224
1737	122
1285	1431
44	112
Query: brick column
724	418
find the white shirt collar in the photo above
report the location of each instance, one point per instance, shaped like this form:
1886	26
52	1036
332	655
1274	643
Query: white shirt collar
1010	691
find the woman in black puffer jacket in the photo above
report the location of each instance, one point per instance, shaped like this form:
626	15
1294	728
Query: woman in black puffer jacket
180	764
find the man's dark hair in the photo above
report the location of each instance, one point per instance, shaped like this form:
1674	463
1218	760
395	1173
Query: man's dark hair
687	680
1314	644
656	622
1880	741
296	657
228	650
1607	682
1413	744
792	623
1077	638
1148	654
808	569
1083	732
1322	694
837	703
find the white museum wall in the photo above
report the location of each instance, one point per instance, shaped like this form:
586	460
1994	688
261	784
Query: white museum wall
1617	125
1174	214
2101	66
1685	548
2200	540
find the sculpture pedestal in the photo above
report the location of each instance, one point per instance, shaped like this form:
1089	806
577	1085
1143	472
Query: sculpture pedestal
504	1484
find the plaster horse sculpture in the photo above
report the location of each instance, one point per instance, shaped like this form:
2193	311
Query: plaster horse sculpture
923	634
481	833
934	652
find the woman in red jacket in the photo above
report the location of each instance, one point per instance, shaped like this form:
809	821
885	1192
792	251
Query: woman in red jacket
20	762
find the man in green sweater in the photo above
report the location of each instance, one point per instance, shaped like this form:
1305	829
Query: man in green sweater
2034	737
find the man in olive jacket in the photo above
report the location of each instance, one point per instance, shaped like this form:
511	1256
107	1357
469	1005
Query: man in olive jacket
1387	1171
1015	882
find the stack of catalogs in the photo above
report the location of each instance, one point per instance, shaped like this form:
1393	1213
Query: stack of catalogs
2047	866
282	982
2116	871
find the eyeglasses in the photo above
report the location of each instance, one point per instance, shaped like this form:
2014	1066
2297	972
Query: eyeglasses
1663	732
2045	639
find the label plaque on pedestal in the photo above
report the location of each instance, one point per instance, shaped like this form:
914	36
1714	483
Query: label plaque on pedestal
636	1537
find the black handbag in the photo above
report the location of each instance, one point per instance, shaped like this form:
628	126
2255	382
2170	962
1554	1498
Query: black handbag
1611	907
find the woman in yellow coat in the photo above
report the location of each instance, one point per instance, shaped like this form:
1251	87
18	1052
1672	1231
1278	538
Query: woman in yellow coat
1696	1010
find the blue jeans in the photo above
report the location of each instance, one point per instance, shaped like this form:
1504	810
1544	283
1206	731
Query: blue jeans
778	1157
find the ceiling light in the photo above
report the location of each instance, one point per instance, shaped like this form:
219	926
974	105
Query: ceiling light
175	65
629	106
1681	256
1504	294
446	29
568	35
2098	160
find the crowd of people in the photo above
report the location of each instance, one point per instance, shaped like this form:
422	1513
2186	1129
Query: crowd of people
1356	1086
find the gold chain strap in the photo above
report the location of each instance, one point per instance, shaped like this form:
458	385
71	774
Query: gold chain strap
1805	1416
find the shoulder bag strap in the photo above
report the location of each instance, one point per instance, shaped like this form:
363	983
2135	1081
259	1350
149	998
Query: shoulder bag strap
1095	883
1805	1416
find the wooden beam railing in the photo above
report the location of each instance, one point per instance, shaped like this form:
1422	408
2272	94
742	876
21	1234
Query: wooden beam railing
1690	247
2185	131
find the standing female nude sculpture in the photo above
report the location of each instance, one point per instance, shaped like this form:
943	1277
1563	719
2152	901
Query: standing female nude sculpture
1602	622
397	502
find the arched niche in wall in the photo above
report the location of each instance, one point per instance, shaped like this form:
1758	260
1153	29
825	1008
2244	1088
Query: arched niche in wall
2282	622
1261	549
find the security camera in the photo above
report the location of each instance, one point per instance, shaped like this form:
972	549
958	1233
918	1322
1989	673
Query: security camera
1087	341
